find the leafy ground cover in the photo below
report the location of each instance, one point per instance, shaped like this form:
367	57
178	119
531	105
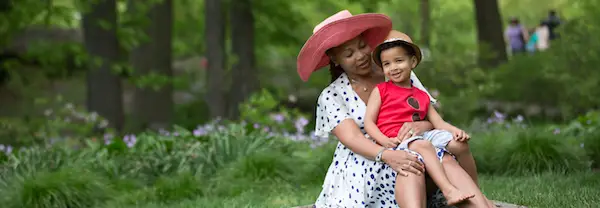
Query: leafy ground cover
247	164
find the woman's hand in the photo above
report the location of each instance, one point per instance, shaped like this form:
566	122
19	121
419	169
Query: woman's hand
403	162
410	129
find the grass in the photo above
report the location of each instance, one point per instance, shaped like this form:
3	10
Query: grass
241	167
542	190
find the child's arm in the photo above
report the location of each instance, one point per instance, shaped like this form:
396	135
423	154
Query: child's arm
438	123
373	106
436	120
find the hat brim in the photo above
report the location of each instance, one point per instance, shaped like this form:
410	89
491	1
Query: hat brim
377	51
373	27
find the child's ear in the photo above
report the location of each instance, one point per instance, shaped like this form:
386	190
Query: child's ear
413	62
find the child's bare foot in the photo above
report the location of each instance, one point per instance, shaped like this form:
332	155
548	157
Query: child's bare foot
455	196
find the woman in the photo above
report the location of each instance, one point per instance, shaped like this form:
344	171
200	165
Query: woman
516	36
362	173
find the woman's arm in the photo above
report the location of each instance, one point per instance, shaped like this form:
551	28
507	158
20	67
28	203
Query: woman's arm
401	161
350	135
371	119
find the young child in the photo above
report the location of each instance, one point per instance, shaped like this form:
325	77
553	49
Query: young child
532	43
396	101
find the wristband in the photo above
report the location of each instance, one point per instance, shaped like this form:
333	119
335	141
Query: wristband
380	155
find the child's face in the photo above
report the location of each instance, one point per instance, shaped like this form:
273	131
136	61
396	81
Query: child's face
397	64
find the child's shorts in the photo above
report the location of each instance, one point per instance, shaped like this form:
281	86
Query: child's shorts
439	139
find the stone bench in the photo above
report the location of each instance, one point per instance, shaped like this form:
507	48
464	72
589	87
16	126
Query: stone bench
498	204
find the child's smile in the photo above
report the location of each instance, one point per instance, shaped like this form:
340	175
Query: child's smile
397	65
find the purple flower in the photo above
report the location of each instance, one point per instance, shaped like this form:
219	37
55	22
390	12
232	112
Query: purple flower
108	136
199	132
278	117
519	119
256	126
556	131
499	116
266	129
300	124
164	132
7	149
130	140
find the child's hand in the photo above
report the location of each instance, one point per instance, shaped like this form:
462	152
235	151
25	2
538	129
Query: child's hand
390	142
460	135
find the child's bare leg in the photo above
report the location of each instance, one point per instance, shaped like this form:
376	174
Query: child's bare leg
437	173
457	175
410	191
465	159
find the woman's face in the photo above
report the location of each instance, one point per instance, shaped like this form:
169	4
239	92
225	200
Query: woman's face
354	56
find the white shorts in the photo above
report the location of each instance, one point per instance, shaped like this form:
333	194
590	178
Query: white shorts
439	138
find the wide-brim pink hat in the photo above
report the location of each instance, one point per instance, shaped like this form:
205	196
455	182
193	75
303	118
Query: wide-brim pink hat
336	30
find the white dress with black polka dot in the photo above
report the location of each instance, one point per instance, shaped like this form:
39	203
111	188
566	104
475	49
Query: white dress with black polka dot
353	180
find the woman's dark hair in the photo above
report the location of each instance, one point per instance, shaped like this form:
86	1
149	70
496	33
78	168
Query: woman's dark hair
335	70
514	21
385	46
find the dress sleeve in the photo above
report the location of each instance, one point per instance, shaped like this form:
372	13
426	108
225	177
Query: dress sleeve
331	111
417	83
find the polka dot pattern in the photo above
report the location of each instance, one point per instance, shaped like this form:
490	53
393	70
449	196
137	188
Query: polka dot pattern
352	180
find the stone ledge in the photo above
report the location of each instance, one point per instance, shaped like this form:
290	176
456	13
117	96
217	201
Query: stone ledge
498	204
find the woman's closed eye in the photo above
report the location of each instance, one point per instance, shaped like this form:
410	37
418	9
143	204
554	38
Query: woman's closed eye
362	45
348	53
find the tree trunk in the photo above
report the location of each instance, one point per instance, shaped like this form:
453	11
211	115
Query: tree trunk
153	108
245	79
103	86
492	50
425	23
215	55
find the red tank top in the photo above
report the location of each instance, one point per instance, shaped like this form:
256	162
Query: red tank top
399	105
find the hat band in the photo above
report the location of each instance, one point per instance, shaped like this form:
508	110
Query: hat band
394	39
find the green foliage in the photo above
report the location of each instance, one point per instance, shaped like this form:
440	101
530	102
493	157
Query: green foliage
61	122
515	149
585	130
222	159
263	108
64	188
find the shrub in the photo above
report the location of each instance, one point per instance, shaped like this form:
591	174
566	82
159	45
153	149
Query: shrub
586	131
523	150
65	188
